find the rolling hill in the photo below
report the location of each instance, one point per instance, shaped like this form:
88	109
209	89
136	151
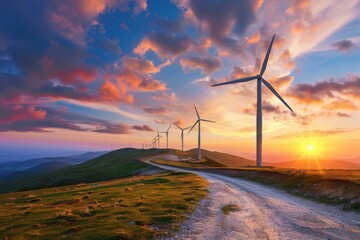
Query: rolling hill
16	166
236	161
112	165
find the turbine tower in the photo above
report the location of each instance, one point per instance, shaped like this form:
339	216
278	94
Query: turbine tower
157	138
260	80
198	121
182	135
167	137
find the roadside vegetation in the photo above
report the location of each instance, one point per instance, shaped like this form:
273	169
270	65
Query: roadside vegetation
229	208
140	207
337	187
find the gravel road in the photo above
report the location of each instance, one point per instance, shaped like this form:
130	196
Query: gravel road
265	213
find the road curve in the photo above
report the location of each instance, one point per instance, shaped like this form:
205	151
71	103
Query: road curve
265	213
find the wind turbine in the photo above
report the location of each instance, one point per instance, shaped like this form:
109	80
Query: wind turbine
260	80
167	137
182	135
198	121
158	138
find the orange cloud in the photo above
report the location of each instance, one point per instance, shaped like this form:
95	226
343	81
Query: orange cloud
254	38
142	65
110	92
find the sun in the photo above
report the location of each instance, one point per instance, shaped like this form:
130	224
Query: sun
310	147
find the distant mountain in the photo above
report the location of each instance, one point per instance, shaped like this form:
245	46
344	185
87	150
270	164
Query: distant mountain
38	169
317	164
236	161
16	166
112	165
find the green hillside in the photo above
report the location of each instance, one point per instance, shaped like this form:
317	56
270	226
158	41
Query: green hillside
141	207
116	164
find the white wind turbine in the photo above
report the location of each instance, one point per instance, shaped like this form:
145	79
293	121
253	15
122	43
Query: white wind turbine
260	80
167	137
198	121
182	135
157	138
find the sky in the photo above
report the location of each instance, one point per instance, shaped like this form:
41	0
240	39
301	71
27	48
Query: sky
89	75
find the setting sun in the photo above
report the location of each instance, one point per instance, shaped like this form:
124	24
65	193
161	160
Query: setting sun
310	147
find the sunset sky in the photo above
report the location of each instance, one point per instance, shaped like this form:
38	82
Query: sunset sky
86	75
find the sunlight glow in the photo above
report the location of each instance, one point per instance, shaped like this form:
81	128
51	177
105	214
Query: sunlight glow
310	147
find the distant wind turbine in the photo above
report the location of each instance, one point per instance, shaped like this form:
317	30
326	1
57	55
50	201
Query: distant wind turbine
182	135
167	137
260	80
158	138
198	121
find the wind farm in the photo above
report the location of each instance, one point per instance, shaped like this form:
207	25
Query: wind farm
179	119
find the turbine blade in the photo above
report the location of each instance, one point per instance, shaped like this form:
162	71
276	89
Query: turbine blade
177	126
263	67
246	79
187	128
193	126
197	113
207	120
168	128
275	92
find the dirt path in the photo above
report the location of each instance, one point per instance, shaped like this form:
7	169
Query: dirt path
265	213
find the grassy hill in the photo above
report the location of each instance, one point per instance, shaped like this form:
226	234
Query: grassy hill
224	158
112	165
141	207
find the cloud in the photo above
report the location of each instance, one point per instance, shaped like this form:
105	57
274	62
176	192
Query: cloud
207	80
236	16
157	110
208	64
343	45
136	74
34	118
159	121
179	121
118	128
141	65
164	44
312	133
163	96
110	46
322	91
12	113
140	5
340	114
31	118
143	128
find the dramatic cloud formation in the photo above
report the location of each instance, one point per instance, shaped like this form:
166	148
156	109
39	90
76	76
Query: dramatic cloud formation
328	89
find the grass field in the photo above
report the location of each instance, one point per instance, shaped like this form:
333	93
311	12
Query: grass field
140	207
338	187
